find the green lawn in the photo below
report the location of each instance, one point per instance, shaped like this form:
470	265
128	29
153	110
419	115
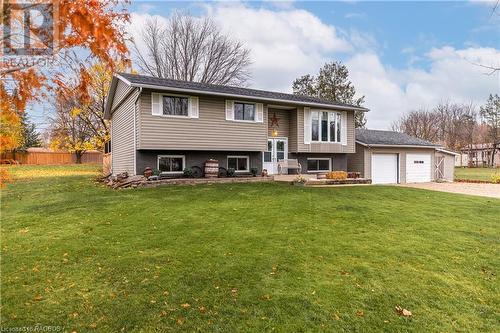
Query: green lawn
244	257
475	173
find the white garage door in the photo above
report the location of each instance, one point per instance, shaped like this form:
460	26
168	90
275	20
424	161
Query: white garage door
418	168
384	168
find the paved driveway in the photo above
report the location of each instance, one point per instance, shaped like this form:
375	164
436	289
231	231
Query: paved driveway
484	190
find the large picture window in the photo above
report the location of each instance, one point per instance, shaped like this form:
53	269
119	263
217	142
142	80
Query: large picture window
175	106
318	164
326	126
244	111
238	163
171	163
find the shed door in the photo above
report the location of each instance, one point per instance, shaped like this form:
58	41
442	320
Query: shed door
418	168
384	168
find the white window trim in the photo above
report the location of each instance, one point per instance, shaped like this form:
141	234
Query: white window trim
188	116
171	156
322	159
239	156
336	115
242	120
255	118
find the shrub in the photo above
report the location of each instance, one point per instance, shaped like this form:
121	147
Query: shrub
187	172
230	172
254	171
495	178
336	175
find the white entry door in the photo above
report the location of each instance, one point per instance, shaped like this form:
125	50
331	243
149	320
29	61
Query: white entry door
418	168
384	168
277	149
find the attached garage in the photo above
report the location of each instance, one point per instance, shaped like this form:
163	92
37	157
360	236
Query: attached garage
389	157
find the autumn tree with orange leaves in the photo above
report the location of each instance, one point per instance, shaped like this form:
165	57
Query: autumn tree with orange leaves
91	27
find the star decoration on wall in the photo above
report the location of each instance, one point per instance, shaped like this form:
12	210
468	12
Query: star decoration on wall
274	121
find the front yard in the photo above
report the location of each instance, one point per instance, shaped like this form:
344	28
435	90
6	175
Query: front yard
475	173
244	257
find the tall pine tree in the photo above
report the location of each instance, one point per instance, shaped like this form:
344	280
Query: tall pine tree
333	84
29	135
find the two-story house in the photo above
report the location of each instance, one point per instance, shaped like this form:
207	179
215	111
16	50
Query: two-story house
170	125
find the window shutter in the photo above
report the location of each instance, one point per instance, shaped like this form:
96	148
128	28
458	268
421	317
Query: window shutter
229	109
193	107
307	126
156	104
259	112
343	129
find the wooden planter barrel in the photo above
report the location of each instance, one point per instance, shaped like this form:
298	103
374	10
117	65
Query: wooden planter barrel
211	168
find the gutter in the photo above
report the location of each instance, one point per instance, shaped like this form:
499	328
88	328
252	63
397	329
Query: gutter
394	146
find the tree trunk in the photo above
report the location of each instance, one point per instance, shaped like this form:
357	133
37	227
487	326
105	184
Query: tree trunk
78	155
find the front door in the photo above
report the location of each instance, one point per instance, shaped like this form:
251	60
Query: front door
277	149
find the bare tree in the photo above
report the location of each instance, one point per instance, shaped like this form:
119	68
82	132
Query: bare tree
453	125
191	49
420	123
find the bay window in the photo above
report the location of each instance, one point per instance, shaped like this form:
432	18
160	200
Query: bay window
326	126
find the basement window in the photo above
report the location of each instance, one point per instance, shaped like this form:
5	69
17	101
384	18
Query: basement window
171	163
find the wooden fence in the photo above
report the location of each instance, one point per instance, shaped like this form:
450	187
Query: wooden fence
52	157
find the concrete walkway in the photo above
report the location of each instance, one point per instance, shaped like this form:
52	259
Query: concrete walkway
484	190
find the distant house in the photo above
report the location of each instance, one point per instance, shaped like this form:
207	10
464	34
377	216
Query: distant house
478	155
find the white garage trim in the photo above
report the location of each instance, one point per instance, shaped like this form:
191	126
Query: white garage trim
385	168
418	168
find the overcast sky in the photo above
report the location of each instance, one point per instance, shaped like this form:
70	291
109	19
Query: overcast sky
401	55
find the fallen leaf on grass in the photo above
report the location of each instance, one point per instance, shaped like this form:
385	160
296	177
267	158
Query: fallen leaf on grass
403	312
38	298
181	321
185	305
202	309
23	231
360	313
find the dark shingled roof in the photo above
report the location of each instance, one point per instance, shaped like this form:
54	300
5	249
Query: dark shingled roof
230	90
389	138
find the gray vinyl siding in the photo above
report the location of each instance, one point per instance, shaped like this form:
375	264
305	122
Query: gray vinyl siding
325	147
122	136
122	89
211	131
283	128
402	159
356	162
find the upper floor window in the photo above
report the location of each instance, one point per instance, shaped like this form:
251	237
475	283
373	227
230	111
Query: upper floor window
175	106
172	105
326	126
244	111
